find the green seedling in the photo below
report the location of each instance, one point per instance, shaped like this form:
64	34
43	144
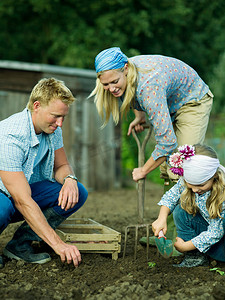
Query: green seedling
218	271
151	264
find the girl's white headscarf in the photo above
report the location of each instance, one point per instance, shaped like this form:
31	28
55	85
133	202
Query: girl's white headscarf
200	168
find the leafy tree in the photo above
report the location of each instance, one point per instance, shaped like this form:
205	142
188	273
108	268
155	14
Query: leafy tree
72	32
217	83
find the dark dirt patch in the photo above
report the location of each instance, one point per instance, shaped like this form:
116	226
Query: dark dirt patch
99	277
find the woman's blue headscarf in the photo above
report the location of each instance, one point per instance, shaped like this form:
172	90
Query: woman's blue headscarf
110	59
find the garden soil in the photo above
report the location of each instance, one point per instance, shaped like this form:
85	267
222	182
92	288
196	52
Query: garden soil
99	277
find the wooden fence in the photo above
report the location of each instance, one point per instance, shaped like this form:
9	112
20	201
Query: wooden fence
93	152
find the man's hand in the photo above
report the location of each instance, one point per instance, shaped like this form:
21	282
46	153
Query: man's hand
68	196
19	188
68	253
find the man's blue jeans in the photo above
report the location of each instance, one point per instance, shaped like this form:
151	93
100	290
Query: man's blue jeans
189	226
45	194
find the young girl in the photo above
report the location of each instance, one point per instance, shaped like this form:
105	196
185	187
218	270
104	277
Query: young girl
197	202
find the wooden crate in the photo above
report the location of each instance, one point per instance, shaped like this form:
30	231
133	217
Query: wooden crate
90	236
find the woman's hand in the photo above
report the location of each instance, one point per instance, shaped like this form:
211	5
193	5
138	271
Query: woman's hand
138	174
137	122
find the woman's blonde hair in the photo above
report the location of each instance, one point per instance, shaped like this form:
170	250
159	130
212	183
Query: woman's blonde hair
48	89
106	103
217	197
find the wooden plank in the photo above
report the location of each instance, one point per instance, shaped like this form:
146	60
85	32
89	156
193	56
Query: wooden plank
93	237
98	149
115	255
11	103
44	68
18	81
96	246
90	236
73	220
86	228
82	226
74	224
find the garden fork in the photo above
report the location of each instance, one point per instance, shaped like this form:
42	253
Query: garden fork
141	193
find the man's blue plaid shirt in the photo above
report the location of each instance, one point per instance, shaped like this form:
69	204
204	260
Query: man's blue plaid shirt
19	147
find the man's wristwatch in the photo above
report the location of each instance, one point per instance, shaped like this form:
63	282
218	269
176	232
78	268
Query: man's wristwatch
70	176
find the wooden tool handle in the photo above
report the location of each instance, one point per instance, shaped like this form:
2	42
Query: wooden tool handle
141	146
141	160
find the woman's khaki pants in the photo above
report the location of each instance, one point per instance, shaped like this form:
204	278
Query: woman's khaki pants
190	127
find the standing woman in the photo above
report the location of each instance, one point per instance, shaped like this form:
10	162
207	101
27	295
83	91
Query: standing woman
175	99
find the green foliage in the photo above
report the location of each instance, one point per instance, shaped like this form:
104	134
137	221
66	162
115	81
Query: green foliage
217	84
217	270
151	264
154	176
72	32
215	136
216	126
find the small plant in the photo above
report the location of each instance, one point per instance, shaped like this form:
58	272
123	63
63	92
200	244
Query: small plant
151	264
218	271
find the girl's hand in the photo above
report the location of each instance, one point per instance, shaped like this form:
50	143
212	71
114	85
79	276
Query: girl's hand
180	245
183	246
159	224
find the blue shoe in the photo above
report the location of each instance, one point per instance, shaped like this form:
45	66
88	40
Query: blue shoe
193	259
1	262
20	248
27	255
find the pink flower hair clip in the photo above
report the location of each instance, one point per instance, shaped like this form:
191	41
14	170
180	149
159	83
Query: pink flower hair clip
176	160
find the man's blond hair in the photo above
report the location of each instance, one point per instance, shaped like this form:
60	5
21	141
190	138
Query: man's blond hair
48	89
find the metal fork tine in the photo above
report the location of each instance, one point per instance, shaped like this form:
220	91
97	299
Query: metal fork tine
141	193
136	238
147	236
125	242
136	227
